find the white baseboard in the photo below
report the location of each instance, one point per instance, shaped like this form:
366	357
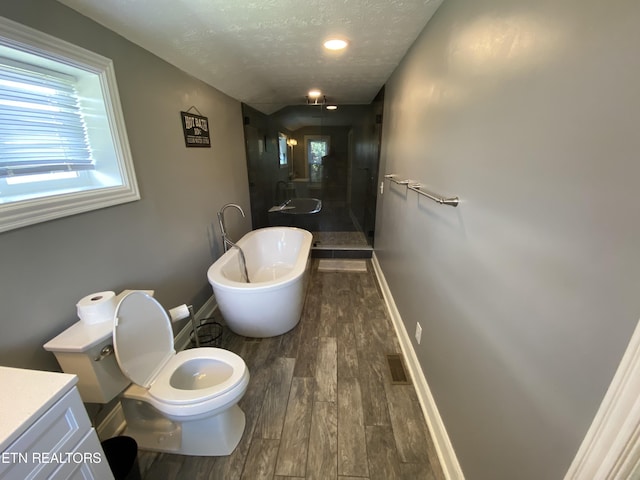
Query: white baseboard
444	449
611	448
114	423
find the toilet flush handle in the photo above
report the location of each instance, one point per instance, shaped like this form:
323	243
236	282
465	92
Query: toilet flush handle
105	352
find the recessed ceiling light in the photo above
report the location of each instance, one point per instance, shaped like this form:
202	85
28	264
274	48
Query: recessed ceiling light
314	93
332	107
335	44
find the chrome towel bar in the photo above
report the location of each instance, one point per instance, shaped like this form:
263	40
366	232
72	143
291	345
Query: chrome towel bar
393	178
416	187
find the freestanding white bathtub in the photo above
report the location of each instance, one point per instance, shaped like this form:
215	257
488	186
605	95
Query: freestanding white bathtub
278	265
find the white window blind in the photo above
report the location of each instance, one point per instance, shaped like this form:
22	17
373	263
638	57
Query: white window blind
63	141
41	125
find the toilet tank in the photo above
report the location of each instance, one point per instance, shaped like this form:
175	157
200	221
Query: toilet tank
82	350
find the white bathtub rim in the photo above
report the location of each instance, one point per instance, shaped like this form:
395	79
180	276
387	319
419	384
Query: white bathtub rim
253	288
218	280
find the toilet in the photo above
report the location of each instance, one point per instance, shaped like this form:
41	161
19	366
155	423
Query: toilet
184	402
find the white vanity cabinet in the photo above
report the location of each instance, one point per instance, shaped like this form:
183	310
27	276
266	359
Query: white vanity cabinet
45	432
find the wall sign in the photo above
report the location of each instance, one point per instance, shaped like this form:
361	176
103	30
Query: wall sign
196	130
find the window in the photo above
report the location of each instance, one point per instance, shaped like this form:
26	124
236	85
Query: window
317	147
63	145
282	150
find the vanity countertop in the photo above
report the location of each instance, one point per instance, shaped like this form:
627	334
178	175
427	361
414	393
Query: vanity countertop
24	396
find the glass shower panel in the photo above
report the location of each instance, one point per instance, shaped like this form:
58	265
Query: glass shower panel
301	157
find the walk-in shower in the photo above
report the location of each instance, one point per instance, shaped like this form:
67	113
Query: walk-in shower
316	169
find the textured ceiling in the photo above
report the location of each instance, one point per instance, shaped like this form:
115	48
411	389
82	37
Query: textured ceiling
268	53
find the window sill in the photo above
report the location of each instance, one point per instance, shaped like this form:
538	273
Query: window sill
21	214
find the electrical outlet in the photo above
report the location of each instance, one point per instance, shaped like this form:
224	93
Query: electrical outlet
418	333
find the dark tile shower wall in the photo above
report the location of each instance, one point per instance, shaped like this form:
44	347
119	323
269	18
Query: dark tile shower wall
348	190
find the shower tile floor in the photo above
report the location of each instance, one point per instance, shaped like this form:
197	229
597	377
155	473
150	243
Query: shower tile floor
339	239
321	403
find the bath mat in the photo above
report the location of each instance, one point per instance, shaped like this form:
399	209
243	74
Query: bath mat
340	265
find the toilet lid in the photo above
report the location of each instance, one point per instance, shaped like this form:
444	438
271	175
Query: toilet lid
142	337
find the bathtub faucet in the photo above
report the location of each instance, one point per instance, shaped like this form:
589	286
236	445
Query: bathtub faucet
226	242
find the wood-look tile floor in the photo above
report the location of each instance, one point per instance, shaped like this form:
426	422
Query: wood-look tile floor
321	403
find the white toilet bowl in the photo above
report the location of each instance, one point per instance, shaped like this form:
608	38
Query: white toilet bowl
183	402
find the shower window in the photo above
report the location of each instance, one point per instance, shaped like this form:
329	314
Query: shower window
282	150
317	147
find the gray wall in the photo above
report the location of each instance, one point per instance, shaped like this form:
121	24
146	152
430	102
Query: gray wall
527	293
166	241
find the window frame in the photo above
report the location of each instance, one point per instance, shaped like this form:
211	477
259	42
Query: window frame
326	139
21	213
283	152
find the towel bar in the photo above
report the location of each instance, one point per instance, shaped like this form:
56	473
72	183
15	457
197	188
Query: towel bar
416	187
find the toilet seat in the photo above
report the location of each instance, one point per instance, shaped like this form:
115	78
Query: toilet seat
143	343
162	389
207	407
